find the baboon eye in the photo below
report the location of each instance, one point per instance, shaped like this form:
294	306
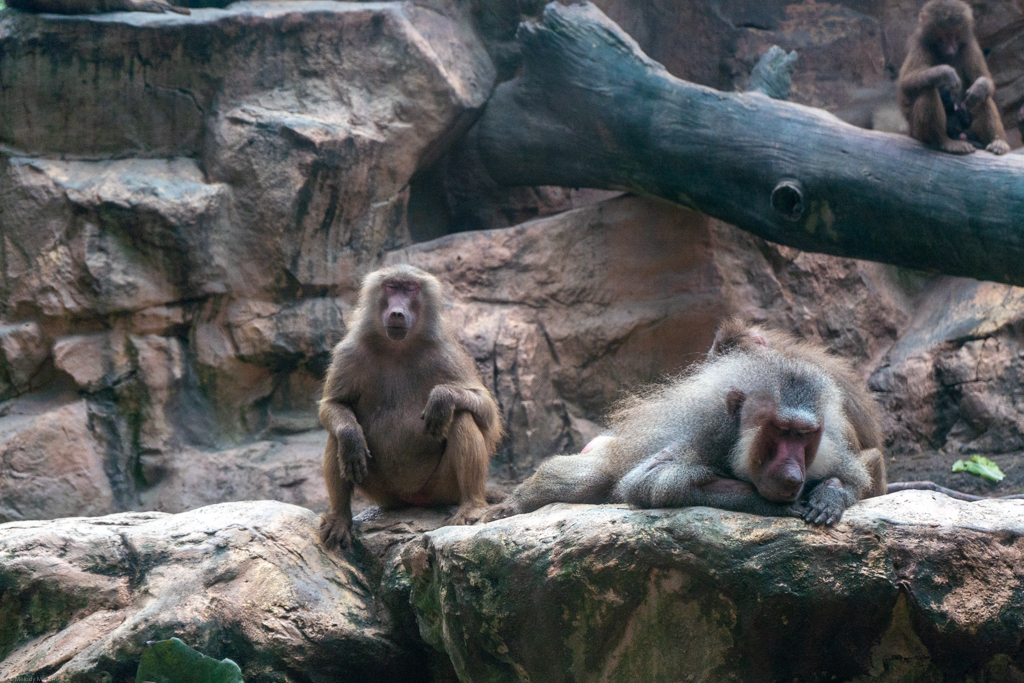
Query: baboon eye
402	287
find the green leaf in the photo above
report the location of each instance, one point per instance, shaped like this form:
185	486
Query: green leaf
172	661
980	466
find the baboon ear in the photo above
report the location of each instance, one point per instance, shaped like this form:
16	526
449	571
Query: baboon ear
716	345
759	338
734	401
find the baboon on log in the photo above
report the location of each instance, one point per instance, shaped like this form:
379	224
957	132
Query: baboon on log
407	418
943	56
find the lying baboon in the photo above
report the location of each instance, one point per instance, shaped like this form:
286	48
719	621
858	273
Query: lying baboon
768	425
753	429
942	56
407	418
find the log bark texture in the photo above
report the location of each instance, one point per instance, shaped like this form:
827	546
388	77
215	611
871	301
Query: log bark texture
590	109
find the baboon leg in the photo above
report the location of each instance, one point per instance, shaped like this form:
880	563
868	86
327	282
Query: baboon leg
928	124
988	127
464	464
565	478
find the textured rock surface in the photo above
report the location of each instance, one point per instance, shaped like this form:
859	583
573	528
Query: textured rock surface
914	586
564	313
955	379
80	597
953	385
188	204
51	466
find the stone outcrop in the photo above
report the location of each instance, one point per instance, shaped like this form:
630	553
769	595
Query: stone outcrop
954	382
248	581
188	204
913	586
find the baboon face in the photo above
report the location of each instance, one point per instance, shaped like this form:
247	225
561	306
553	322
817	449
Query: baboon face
400	307
784	443
946	26
947	42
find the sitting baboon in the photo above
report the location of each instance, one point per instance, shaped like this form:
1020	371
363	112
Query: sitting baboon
942	56
407	418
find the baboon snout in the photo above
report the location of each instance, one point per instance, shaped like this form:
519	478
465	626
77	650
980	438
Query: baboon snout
396	325
790	481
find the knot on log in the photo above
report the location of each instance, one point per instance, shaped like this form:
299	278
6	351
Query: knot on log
773	73
788	199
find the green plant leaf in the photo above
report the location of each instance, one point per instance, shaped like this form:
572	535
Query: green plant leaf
980	466
172	661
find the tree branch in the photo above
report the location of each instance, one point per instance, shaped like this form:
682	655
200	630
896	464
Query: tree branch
590	109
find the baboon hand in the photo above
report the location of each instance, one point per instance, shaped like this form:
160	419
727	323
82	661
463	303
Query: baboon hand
998	147
957	147
980	90
335	531
825	505
353	453
946	78
438	414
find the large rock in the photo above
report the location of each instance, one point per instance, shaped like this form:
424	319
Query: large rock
189	203
563	314
51	465
288	469
79	598
23	353
914	586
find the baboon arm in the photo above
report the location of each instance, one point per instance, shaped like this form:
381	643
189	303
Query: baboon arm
669	479
336	416
912	84
476	402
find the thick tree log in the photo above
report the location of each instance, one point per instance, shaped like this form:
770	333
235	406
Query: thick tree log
589	109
